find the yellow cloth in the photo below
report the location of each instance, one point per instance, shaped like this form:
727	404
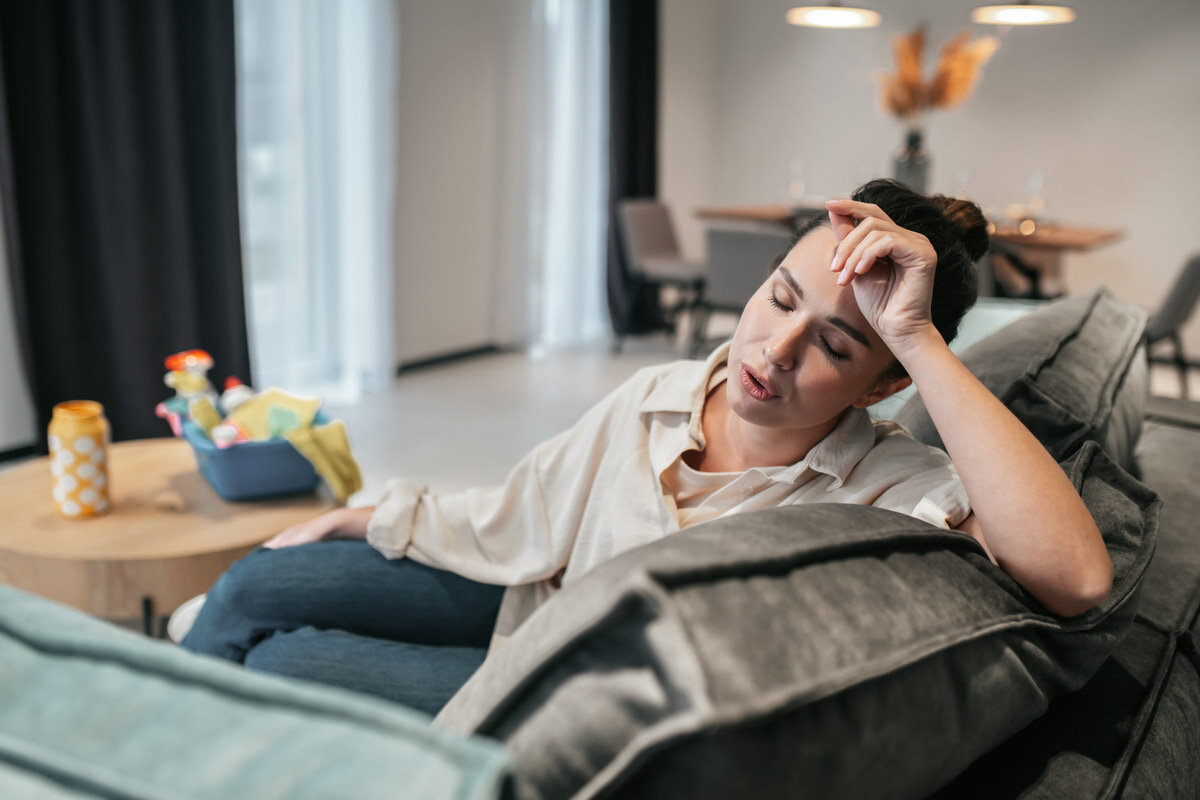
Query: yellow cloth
253	416
204	413
329	451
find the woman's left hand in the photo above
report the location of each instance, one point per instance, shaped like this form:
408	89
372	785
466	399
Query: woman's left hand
891	269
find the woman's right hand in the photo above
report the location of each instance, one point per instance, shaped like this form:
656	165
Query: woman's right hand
340	523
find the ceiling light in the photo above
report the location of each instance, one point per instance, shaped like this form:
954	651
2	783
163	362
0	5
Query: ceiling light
1022	14
833	16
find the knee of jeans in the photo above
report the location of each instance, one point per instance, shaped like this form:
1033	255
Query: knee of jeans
239	584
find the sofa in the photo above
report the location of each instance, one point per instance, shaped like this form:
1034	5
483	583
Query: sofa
823	651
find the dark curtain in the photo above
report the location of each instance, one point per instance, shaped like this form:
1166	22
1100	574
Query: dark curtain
119	178
632	150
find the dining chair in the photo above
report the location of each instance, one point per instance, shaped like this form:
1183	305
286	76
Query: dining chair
1165	323
654	258
738	261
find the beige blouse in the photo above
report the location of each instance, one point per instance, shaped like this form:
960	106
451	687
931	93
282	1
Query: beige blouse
616	480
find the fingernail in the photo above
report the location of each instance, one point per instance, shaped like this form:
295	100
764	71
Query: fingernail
858	267
833	264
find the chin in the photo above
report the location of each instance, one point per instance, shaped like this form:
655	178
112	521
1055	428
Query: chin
738	403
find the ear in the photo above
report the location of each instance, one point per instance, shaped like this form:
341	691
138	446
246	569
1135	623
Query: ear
882	391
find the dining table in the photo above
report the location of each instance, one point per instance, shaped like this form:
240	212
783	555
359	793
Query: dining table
1026	255
1031	254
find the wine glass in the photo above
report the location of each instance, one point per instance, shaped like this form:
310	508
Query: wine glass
1036	206
962	181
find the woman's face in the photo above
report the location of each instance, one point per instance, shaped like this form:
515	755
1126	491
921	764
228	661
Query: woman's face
803	353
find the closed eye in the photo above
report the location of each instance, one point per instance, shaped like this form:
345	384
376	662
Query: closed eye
833	353
775	302
845	327
836	355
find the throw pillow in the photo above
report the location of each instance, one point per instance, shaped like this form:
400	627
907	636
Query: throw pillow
91	710
1134	729
1071	371
847	650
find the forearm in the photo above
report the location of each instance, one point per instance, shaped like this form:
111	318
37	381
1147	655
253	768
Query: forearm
1030	515
340	523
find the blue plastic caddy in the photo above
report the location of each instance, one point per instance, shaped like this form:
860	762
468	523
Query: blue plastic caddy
252	470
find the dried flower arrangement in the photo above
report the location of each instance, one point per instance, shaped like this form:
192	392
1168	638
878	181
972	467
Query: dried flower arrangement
906	94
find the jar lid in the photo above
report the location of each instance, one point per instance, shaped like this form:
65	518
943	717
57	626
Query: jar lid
79	409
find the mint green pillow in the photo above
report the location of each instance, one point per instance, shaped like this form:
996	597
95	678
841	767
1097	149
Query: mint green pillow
88	709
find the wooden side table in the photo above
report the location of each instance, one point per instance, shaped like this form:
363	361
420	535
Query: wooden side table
167	537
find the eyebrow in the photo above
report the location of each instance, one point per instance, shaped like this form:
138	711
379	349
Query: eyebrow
851	331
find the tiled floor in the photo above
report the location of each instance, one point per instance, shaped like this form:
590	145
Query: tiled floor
1164	380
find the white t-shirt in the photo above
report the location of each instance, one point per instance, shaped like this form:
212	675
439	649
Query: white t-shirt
616	480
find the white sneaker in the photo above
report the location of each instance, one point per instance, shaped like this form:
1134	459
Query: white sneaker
181	621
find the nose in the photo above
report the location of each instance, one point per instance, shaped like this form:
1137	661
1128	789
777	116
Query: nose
782	349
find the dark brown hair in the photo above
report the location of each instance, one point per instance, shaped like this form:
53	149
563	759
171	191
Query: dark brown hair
957	230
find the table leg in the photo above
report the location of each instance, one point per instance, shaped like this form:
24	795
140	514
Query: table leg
147	615
149	618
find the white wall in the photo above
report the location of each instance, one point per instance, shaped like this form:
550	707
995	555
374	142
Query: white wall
687	96
451	54
1107	108
16	407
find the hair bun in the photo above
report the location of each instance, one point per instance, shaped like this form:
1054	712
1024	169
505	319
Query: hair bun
969	220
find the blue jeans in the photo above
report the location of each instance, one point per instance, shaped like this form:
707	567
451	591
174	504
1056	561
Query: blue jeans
338	612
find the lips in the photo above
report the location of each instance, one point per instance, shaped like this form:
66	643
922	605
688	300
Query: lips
755	385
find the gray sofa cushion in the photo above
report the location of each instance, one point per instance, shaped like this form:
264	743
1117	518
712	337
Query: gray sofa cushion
851	651
1134	729
89	710
1074	370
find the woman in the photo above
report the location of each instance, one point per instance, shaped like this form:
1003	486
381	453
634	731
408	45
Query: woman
860	306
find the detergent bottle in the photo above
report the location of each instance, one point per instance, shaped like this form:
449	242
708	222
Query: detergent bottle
188	375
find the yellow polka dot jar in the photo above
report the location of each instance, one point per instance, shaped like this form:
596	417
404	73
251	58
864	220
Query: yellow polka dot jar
78	437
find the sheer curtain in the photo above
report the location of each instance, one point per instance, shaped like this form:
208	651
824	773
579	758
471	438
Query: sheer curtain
316	126
554	175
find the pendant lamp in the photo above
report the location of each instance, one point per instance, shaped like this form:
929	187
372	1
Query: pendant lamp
1025	13
834	15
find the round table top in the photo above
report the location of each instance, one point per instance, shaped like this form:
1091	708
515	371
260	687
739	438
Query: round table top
161	508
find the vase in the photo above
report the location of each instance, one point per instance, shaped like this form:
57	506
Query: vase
912	162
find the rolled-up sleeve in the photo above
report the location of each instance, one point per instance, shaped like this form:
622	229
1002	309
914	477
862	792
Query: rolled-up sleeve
935	496
933	493
391	526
